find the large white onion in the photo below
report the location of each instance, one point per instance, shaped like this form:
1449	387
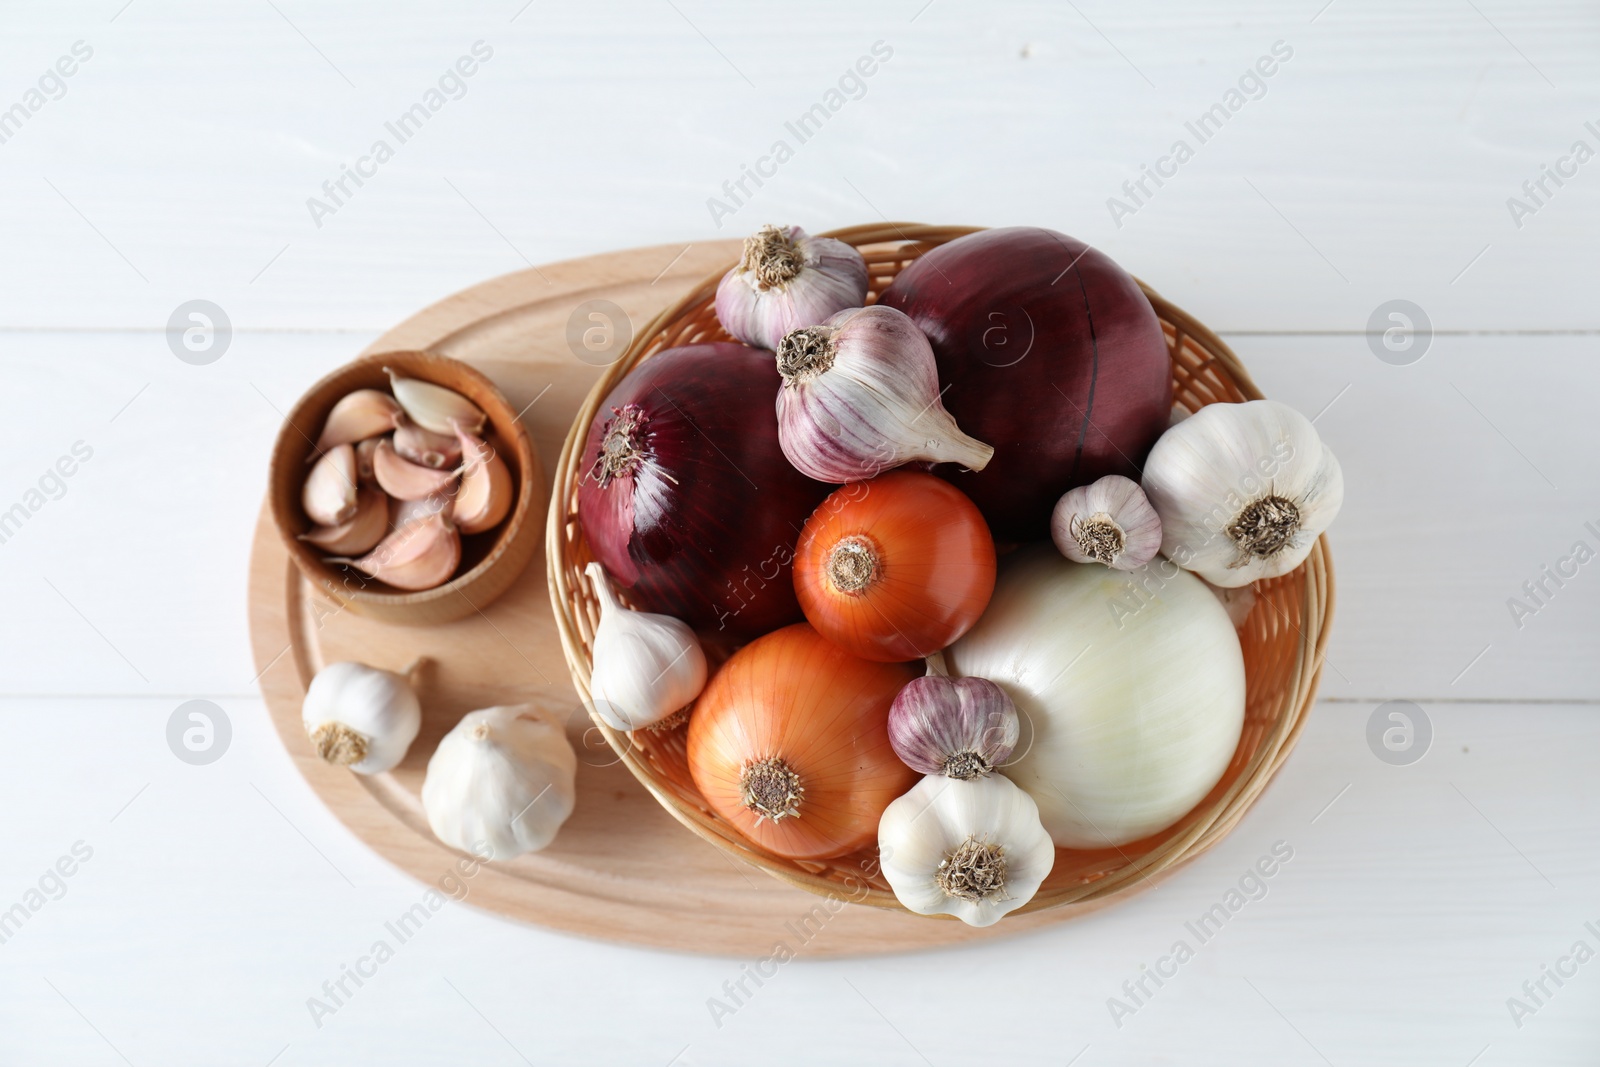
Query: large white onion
1130	686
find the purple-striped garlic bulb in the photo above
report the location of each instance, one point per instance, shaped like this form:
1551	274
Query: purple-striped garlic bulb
1108	521
860	396
958	727
785	280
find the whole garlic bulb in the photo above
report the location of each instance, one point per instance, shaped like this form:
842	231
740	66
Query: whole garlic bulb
646	666
860	395
361	717
974	849
960	727
786	280
501	782
1243	491
1108	521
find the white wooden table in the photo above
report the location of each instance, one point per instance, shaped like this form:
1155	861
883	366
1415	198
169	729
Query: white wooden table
1374	164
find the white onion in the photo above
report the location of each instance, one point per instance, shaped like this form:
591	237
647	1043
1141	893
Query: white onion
1130	686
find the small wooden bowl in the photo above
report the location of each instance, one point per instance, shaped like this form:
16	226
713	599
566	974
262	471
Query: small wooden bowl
1283	638
490	561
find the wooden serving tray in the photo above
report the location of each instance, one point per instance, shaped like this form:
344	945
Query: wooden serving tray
621	869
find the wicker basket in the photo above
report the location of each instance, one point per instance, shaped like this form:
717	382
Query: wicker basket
1283	638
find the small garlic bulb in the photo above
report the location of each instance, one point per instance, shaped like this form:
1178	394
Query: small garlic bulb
1243	491
974	849
361	717
786	280
1108	521
959	727
646	666
501	782
860	395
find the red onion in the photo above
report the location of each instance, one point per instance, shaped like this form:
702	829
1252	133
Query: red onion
685	496
1048	351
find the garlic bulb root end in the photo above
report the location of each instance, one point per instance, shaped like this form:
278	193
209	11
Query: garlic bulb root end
974	870
337	743
771	256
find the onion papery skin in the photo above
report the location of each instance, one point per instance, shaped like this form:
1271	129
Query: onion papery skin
1130	687
934	571
702	527
1048	351
796	696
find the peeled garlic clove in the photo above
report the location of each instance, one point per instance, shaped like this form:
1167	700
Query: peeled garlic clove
646	666
404	511
357	416
436	450
419	555
404	480
329	494
975	849
1243	491
787	280
959	727
361	717
433	407
860	395
1108	521
363	530
501	783
486	491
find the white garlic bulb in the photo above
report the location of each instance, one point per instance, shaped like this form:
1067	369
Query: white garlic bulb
1243	491
860	395
646	666
972	848
501	782
361	717
786	280
1108	521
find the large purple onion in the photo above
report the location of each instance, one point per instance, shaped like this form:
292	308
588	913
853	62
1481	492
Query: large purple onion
1048	351
685	496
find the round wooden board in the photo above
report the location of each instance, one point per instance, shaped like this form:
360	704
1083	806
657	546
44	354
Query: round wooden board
621	869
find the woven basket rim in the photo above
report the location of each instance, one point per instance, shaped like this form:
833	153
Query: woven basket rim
1201	828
